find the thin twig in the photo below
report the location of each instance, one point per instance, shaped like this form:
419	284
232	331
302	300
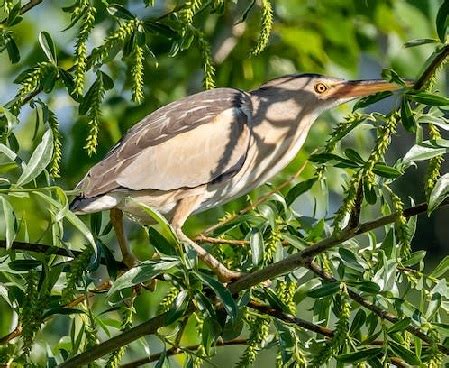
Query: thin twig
433	66
29	5
51	249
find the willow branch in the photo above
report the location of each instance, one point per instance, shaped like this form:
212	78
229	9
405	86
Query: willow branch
51	249
374	308
29	5
432	68
294	261
174	350
147	328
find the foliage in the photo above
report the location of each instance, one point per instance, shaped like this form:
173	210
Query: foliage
327	282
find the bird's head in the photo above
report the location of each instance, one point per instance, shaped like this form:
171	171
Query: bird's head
319	93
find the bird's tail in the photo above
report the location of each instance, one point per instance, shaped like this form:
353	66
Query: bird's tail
82	205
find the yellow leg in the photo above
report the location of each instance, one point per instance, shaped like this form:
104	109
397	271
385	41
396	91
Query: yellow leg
117	222
183	210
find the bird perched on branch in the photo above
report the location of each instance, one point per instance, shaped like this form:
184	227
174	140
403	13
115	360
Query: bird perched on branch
206	149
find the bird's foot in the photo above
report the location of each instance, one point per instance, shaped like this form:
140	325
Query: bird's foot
224	274
130	260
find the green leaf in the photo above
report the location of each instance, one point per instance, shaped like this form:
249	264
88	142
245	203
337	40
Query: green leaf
257	246
407	116
165	228
298	190
211	331
12	49
401	325
366	286
160	243
422	152
441	269
24	264
392	76
386	171
9	220
141	273
350	259
358	356
62	311
120	12
324	290
39	160
414	258
419	42
48	47
404	353
442	20
369	100
439	193
223	293
429	99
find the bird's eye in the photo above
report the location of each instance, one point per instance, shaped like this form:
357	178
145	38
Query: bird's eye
320	88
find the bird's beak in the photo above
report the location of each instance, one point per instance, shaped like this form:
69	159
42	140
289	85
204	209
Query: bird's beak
347	90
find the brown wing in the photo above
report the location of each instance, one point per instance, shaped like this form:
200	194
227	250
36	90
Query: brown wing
190	142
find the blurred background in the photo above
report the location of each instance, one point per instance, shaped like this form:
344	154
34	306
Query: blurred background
342	38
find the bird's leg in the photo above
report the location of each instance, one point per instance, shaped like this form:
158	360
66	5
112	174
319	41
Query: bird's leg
183	209
117	222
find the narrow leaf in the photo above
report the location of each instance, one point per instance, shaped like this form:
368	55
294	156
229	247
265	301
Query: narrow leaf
441	269
9	219
298	190
439	193
39	160
223	293
419	42
442	20
48	46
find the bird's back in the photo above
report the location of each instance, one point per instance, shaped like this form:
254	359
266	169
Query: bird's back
190	142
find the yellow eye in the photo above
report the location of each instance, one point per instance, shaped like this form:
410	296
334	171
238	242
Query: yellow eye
320	88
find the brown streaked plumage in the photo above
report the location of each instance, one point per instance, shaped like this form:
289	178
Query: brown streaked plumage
205	149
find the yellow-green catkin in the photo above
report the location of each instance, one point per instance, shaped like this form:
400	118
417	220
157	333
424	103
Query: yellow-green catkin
8	5
285	291
340	337
401	223
382	144
168	300
77	269
94	115
30	315
87	24
137	74
29	85
266	21
259	330
348	202
189	10
57	145
436	360
434	169
117	37
273	241
127	322
208	63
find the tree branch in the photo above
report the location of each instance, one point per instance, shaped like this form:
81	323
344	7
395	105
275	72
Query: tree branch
147	328
294	261
28	6
432	68
174	350
51	249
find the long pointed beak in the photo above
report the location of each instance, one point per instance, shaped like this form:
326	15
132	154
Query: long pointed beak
362	88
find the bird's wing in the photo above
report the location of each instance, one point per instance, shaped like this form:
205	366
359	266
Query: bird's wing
193	141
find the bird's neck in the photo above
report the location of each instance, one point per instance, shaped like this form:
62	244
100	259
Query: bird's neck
280	127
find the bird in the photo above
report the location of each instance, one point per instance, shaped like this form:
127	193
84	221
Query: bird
206	149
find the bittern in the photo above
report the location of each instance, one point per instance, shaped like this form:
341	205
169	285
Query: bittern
206	149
